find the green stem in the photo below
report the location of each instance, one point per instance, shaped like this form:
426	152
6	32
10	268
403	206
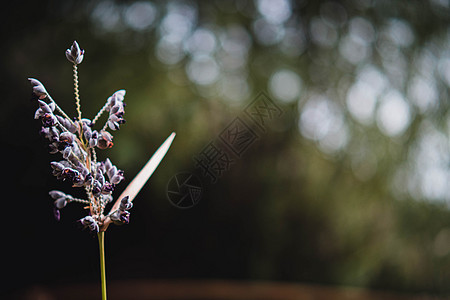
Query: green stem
101	244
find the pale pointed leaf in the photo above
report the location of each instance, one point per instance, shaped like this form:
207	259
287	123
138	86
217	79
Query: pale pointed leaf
141	178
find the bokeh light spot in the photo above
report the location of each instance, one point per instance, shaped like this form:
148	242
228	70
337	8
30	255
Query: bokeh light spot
140	15
202	69
275	11
393	115
361	101
285	85
322	120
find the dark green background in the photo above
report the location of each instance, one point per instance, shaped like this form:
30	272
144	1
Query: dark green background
288	210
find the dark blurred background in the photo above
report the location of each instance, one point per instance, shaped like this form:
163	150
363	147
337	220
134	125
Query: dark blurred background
349	186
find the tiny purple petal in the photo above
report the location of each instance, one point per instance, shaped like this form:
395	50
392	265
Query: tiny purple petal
56	214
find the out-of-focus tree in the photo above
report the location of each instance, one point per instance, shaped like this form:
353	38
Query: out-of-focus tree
348	186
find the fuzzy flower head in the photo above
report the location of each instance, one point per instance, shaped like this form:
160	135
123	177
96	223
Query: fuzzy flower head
75	140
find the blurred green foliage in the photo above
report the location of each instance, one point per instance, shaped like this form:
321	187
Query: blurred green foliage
348	187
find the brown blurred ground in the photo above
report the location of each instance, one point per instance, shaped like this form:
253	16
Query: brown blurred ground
212	289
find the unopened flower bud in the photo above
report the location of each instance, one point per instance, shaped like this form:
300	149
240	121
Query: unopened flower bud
105	140
57	194
50	133
117	178
56	214
58	166
120	217
61	199
49	120
60	203
125	203
87	131
75	54
66	137
99	176
46	108
67	124
107	188
117	97
88	180
93	141
96	188
111	172
107	165
38	88
66	152
89	222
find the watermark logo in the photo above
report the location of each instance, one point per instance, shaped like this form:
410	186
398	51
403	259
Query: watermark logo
184	190
217	157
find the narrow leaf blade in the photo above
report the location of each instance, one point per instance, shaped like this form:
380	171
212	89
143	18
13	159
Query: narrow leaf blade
141	178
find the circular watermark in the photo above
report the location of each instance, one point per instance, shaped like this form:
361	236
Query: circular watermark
184	190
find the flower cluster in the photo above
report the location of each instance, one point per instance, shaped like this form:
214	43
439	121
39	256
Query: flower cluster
76	141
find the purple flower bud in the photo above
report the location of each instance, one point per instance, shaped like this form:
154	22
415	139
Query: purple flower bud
46	108
87	131
66	137
120	217
89	222
67	124
107	165
93	141
66	152
43	109
86	122
38	88
116	116
114	122
78	181
73	176
49	120
100	177
107	188
88	179
61	199
75	54
57	166
57	194
124	217
113	125
116	179
50	133
60	203
117	109
56	214
125	203
105	140
97	188
116	98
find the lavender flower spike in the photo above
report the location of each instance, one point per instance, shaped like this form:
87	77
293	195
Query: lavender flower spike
77	142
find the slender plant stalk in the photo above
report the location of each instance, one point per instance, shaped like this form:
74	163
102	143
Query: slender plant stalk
76	141
76	90
101	244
